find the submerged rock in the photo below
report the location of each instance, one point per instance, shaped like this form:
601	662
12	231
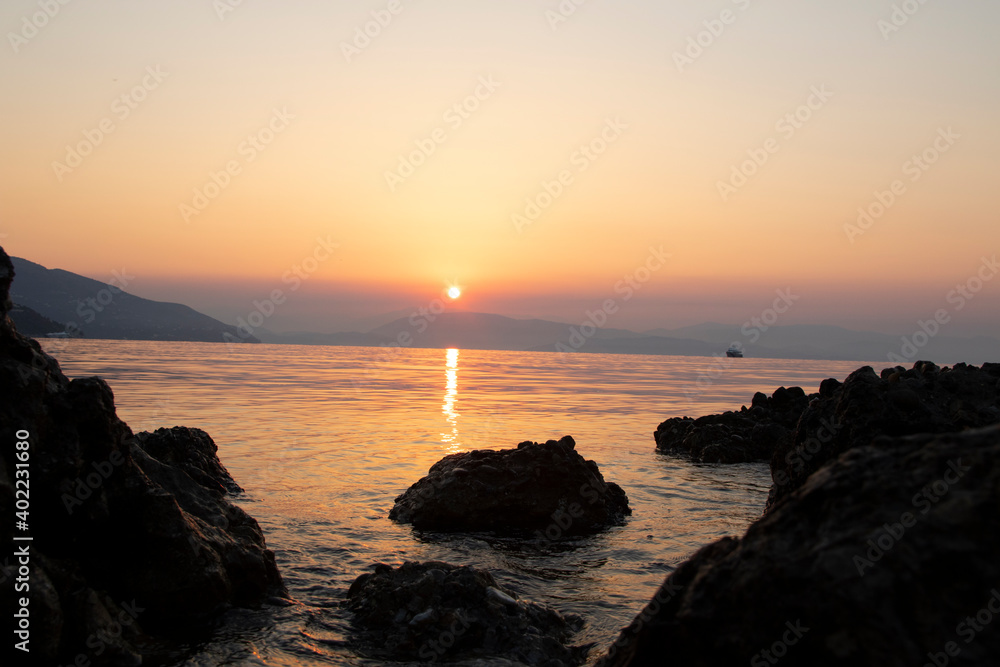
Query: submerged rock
735	437
437	611
546	487
127	541
923	399
888	555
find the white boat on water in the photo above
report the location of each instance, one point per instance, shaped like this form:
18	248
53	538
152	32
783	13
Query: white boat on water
734	351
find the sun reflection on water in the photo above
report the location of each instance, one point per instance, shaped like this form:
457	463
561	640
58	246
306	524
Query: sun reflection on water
450	438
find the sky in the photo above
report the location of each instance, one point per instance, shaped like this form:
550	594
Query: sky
691	161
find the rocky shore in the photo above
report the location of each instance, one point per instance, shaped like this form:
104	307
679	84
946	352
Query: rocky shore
923	399
133	536
889	555
738	436
881	540
547	487
879	545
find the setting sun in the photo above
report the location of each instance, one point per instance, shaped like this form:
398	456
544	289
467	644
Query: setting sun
454	292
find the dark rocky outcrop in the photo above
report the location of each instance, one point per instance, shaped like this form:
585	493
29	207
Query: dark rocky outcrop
887	556
193	451
535	486
922	399
133	532
436	611
735	437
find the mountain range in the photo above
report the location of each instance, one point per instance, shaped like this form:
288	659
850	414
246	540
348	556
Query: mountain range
496	332
78	305
47	297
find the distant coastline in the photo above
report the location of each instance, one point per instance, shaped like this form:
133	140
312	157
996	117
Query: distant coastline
78	306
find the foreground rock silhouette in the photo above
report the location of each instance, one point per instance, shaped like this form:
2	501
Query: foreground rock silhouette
739	436
132	535
880	544
433	612
799	433
923	399
545	487
889	555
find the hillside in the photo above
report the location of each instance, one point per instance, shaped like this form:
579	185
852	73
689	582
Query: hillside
108	311
30	322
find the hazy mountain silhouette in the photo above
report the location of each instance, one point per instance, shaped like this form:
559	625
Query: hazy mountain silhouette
106	311
821	341
32	323
484	331
103	310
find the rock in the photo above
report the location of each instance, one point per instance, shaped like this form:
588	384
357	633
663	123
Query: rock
193	451
437	611
735	437
546	487
127	542
923	399
888	555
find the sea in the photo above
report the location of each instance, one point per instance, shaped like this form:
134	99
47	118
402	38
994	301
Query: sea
323	439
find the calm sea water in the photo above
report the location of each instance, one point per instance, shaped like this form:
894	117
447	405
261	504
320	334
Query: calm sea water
324	438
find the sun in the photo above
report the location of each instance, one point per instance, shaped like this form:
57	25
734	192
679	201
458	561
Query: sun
454	292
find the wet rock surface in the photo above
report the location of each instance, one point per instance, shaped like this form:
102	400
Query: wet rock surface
193	451
544	487
749	434
923	399
888	555
434	611
127	541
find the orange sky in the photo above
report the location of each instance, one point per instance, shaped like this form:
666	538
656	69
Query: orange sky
220	145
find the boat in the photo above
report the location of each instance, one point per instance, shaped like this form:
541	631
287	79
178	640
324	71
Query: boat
734	351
